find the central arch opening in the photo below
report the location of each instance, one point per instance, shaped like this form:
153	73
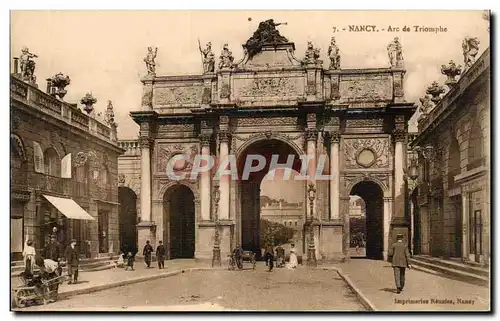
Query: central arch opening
273	193
373	198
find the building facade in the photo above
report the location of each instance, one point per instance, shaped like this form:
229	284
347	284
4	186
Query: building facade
63	168
451	203
271	103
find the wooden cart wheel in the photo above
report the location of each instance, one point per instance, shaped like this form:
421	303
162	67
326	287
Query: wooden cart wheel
19	301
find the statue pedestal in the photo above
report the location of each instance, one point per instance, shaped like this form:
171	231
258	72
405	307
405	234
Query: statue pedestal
146	231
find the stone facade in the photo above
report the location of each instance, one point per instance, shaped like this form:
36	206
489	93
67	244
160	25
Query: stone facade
355	119
452	200
58	150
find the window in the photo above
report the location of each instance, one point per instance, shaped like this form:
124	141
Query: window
475	156
52	165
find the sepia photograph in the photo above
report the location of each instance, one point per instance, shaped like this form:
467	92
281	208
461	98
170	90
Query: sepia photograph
230	160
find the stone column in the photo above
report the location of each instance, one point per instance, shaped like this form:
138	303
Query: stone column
312	136
335	176
205	194
399	166
465	227
224	179
146	227
387	224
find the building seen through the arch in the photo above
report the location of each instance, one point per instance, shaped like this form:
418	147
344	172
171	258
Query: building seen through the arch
273	102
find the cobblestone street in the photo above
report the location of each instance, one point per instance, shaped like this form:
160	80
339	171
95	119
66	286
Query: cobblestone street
282	289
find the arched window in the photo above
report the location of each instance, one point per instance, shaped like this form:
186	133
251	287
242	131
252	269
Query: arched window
475	156
52	164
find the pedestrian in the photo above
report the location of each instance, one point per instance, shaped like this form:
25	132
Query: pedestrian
72	261
238	256
294	262
53	252
130	261
160	255
270	257
29	254
148	249
399	256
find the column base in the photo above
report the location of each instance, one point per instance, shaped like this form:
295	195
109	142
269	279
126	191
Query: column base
205	240
146	231
330	242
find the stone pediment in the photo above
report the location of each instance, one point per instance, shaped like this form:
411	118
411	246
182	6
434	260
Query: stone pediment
270	55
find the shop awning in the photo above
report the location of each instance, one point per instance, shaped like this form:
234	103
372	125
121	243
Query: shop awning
69	208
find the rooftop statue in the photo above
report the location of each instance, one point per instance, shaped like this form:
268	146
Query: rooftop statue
265	34
226	58
208	58
27	65
312	56
150	60
395	52
333	54
470	47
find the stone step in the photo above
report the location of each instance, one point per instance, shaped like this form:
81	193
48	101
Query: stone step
444	271
456	265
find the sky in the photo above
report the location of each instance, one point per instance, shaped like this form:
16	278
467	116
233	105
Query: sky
103	51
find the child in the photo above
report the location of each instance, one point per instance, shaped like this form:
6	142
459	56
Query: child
130	261
120	262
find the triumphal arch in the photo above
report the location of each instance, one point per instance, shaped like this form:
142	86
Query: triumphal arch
273	102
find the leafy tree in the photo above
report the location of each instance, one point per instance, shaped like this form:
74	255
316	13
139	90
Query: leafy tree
274	233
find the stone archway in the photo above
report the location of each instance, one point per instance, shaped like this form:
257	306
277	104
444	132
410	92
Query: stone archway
248	188
373	196
127	218
179	222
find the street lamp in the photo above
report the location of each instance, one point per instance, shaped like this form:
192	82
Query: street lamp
216	249
311	251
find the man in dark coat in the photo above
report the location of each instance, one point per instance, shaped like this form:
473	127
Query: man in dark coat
148	249
160	255
72	262
399	256
270	257
238	256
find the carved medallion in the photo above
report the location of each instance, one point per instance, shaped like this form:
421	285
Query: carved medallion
379	147
165	154
121	179
80	159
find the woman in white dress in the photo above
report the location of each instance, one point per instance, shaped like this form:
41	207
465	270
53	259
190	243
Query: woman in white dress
29	257
293	258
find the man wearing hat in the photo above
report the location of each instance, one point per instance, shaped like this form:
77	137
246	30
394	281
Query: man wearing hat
53	251
72	261
399	256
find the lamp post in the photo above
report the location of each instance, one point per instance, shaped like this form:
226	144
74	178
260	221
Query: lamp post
411	173
311	250
216	249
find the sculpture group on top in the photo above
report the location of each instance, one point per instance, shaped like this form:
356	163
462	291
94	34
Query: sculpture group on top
333	54
226	58
312	55
266	33
28	65
150	60
395	51
470	48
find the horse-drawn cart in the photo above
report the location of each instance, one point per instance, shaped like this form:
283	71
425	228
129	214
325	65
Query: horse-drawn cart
248	257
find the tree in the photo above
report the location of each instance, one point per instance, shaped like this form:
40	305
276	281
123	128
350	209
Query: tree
274	233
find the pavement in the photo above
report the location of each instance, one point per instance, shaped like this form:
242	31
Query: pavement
222	290
371	281
422	292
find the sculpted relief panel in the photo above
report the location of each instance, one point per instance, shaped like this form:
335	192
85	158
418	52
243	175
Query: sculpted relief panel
353	89
166	151
178	95
366	153
291	87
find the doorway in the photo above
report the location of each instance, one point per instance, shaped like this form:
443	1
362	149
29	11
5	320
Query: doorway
179	201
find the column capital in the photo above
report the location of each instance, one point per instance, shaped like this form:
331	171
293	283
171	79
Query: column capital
204	140
223	136
146	141
399	135
311	134
334	136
